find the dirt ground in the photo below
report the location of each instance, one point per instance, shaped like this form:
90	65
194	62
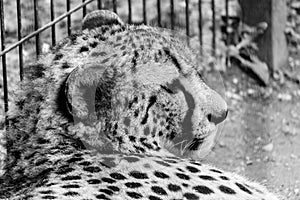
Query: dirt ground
261	137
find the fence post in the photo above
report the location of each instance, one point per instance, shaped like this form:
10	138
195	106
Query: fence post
272	45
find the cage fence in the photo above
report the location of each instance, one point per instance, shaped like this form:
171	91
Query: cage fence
29	28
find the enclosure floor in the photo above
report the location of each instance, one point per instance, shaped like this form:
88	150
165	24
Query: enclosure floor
261	137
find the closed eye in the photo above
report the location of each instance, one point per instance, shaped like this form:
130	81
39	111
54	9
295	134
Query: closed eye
168	90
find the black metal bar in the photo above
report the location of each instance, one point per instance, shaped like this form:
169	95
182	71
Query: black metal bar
83	9
19	24
43	28
187	21
172	14
99	4
226	28
4	74
158	14
115	6
68	18
129	12
144	11
200	26
36	27
213	27
52	16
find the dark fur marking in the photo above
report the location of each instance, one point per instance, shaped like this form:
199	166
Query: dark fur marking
113	188
102	196
133	185
203	189
35	71
70	186
131	159
105	60
46	192
41	161
134	195
158	190
138	175
226	189
42	141
117	176
173	58
195	163
106	191
162	163
83	49
183	176
174	187
152	101
92	169
108	180
58	56
74	159
151	197
224	178
97	53
49	197
93	44
190	196
69	178
192	169
94	181
139	149
132	138
215	170
65	65
244	188
134	60
85	163
161	175
71	193
185	185
209	178
123	47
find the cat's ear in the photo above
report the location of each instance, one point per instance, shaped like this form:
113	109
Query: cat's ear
99	18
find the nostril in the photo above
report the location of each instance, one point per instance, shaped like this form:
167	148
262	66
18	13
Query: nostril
218	118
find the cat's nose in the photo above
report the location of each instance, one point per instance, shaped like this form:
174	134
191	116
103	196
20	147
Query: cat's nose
217	108
217	117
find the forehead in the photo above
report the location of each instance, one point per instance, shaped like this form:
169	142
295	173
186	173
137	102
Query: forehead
148	55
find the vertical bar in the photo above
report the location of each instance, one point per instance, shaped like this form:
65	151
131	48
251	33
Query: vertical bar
4	74
200	26
172	14
187	26
19	24
83	9
227	21
144	12
68	19
158	14
36	27
213	27
129	12
226	28
99	4
52	16
115	6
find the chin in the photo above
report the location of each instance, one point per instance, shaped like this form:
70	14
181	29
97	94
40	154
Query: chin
204	148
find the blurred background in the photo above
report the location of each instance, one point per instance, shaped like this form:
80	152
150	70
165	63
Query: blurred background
251	57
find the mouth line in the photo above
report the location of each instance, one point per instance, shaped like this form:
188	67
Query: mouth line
184	145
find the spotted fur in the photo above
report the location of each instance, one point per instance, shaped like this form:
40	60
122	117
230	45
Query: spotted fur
104	114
